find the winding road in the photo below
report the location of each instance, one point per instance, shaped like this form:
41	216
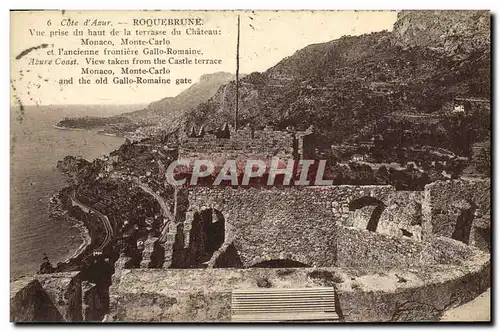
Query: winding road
164	207
104	219
109	233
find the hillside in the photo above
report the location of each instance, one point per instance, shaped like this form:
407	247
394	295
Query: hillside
173	107
458	33
165	111
344	85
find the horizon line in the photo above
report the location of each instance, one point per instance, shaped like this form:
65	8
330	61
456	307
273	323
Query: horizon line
80	104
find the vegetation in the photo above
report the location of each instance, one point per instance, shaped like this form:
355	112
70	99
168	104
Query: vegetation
355	87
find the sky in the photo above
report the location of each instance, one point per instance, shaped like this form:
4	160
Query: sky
266	38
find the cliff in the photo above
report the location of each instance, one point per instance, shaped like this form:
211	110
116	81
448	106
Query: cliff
344	85
454	32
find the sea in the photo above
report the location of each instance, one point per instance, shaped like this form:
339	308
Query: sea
35	147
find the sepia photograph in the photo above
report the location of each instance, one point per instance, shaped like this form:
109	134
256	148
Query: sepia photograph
250	166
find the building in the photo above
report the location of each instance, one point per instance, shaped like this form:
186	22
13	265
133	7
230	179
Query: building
471	105
357	157
245	144
459	109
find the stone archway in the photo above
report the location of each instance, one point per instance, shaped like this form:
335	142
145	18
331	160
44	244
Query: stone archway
376	213
206	236
464	221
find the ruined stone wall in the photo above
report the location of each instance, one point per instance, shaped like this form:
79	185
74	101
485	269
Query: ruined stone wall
47	297
242	145
294	223
365	249
452	207
95	301
306	145
402	215
65	291
182	295
411	295
362	248
364	295
30	303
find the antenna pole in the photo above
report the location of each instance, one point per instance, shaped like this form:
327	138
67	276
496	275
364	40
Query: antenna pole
237	76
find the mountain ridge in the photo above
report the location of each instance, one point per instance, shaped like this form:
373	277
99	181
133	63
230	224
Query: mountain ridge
165	110
342	85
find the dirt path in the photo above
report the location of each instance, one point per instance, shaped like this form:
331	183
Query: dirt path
477	310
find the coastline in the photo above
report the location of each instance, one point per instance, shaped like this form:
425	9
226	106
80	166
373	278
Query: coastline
99	131
57	211
68	128
40	143
128	135
109	134
84	235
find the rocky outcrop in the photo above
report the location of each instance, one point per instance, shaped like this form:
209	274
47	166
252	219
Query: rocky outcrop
354	81
47	297
456	32
65	291
30	303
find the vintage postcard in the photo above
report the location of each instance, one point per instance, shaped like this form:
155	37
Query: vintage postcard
250	166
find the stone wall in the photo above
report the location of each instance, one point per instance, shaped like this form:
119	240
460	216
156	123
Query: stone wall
65	291
47	297
364	295
365	249
246	143
362	248
204	295
458	209
242	145
182	295
403	215
413	295
295	223
95	301
30	303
